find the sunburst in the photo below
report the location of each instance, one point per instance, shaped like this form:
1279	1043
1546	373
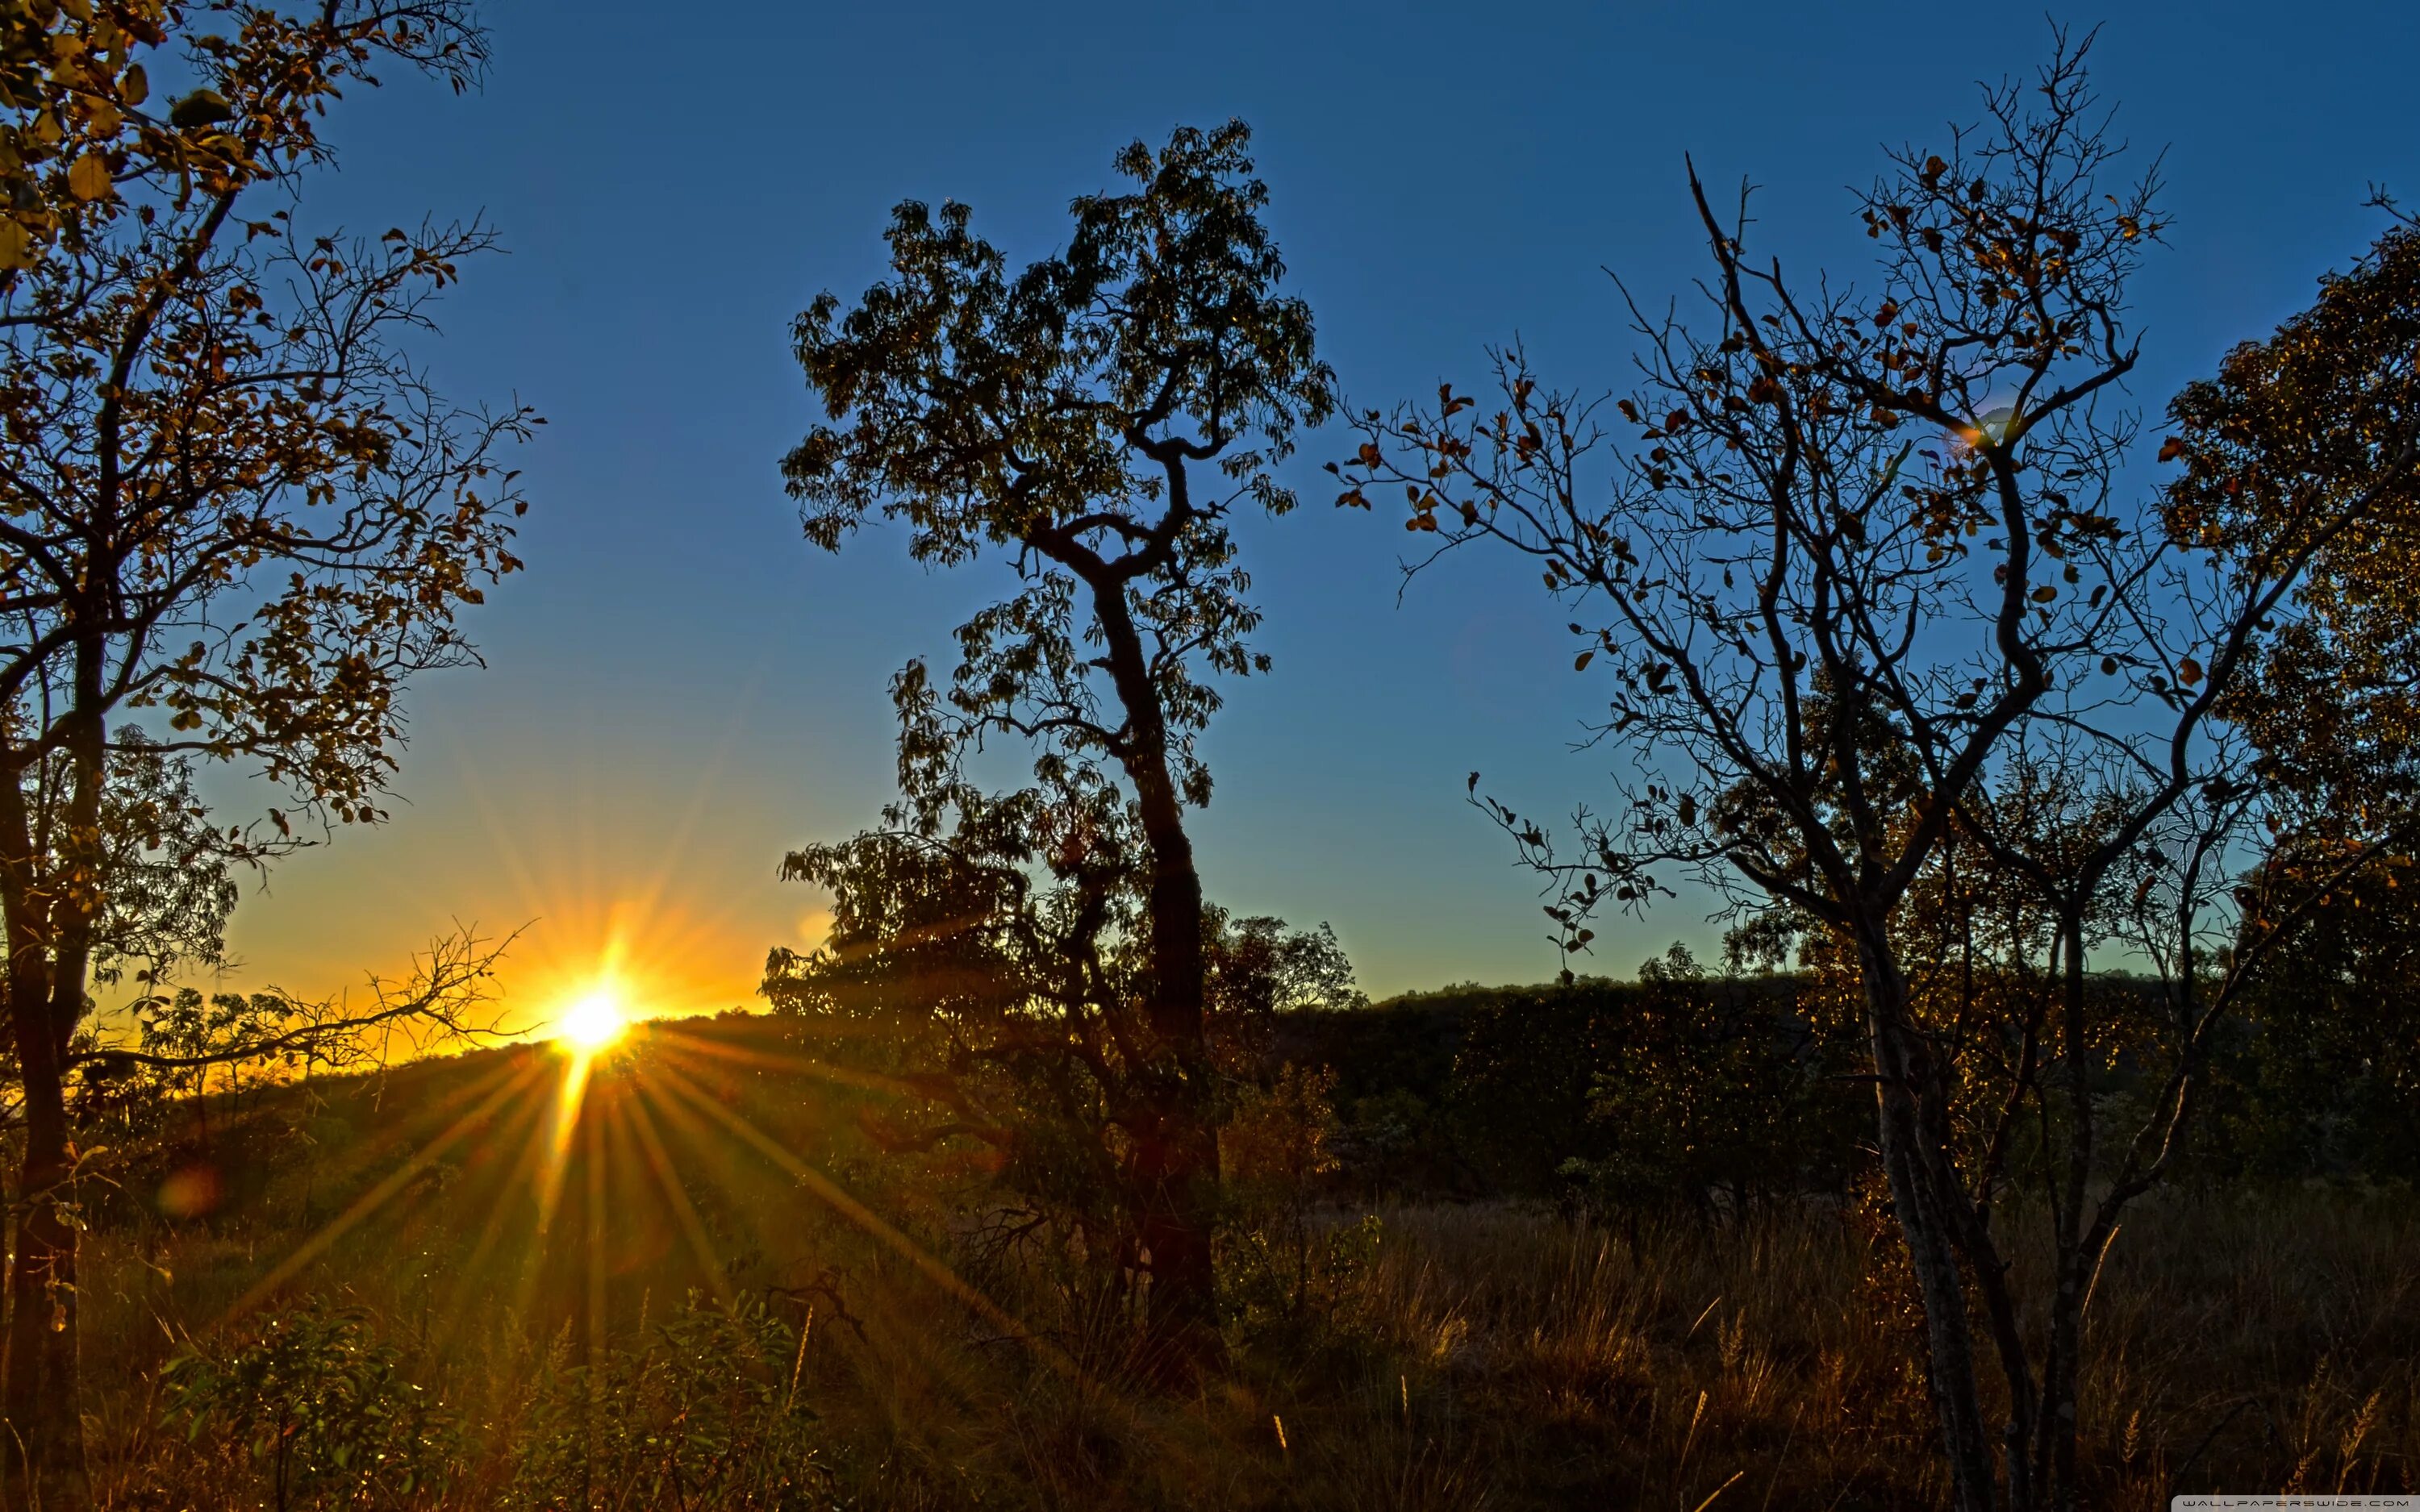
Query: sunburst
593	1021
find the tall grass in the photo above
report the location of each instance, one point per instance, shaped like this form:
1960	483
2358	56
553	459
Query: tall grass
1444	1356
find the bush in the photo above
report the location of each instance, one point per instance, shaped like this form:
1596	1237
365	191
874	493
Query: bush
1714	1096
317	1408
705	1412
1677	1091
1285	1267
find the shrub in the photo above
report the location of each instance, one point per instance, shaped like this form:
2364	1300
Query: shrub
1714	1096
317	1408
704	1411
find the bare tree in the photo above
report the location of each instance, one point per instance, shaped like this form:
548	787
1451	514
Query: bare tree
1874	604
445	998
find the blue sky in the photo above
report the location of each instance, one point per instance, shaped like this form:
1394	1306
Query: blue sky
679	688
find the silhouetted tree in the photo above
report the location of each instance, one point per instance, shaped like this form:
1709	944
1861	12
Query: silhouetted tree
2326	409
2322	1078
1867	587
228	500
1096	423
982	989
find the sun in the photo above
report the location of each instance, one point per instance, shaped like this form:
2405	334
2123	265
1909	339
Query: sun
591	1021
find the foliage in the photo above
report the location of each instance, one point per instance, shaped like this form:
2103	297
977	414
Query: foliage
2323	1078
186	1045
2326	409
971	1022
211	406
234	507
1519	1095
170	882
169	893
69	84
1274	1144
1286	1267
1097	422
1676	1092
704	1411
1880	625
316	1408
1712	1099
1394	1066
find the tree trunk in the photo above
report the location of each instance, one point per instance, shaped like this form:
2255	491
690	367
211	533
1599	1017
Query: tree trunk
49	911
43	1449
2055	1439
1177	1172
44	1452
1928	1230
1175	1164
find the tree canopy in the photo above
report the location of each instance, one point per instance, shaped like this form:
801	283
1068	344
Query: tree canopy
1099	421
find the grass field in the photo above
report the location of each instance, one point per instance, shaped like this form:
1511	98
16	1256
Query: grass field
669	1298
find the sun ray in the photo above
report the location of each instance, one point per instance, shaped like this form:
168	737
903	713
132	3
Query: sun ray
659	1162
899	1327
903	1340
555	1163
368	1202
417	1123
899	1336
595	1215
676	1043
709	786
867	1219
500	1213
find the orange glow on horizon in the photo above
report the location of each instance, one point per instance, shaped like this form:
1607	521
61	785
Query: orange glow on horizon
584	899
587	974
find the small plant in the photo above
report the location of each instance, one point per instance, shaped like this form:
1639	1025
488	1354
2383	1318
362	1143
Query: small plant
320	1407
704	1412
1282	1263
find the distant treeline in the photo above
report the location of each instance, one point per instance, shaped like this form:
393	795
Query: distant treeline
1717	1091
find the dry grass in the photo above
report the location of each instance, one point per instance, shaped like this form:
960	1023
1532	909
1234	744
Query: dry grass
1443	1356
1478	1356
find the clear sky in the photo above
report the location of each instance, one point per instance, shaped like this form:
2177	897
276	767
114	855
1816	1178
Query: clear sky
679	688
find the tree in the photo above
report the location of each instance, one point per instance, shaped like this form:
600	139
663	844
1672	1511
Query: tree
169	893
1096	421
1716	1095
981	990
2322	1079
1874	604
2317	424
2327	407
228	502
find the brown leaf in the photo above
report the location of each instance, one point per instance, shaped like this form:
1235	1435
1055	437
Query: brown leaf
90	179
